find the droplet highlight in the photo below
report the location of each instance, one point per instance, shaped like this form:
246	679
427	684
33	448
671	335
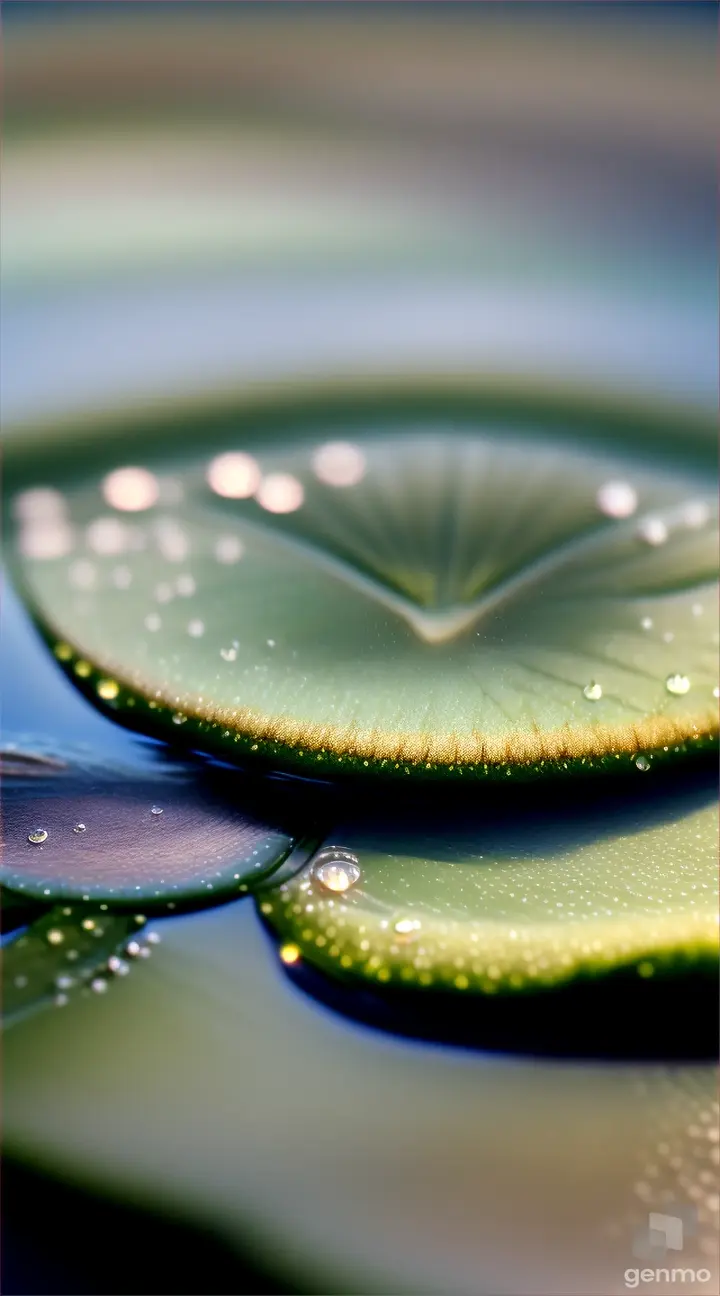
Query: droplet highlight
336	870
678	685
38	836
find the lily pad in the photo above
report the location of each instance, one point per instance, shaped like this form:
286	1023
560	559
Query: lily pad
484	594
78	828
614	900
64	952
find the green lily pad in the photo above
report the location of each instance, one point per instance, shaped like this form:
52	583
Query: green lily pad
64	952
502	904
167	836
488	593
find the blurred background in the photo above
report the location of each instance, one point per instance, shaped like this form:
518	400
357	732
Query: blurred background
198	196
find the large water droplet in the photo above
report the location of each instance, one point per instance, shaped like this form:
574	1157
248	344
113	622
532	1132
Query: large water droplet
677	684
38	836
156	810
336	869
179	718
592	691
79	828
617	499
642	763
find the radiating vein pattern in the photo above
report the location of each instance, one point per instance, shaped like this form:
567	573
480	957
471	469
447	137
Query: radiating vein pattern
429	598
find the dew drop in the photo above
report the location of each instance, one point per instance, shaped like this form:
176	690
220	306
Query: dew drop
653	531
228	654
79	828
38	836
339	463
185	586
677	684
716	692
108	689
647	623
280	493
592	691
228	549
98	985
642	763
88	924
55	936
132	949
156	810
336	869
289	953
152	621
407	927
130	489
64	982
233	475
178	719
196	628
617	499
61	1000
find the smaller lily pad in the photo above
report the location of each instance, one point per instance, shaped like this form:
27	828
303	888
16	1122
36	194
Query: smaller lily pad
174	834
64	952
501	919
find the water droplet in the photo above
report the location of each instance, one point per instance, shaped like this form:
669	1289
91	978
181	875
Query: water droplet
228	654
88	924
229	549
336	869
156	810
107	535
98	985
130	489
592	691
20	982
270	643
82	669
233	475
289	953
132	949
55	936
185	586
196	628
82	574
695	514
64	982
108	689
152	621
280	493
79	828
407	927
642	763
164	592
152	938
617	499
653	531
716	692
677	684
647	623
118	966
61	1000
179	719
338	463
697	609
38	836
